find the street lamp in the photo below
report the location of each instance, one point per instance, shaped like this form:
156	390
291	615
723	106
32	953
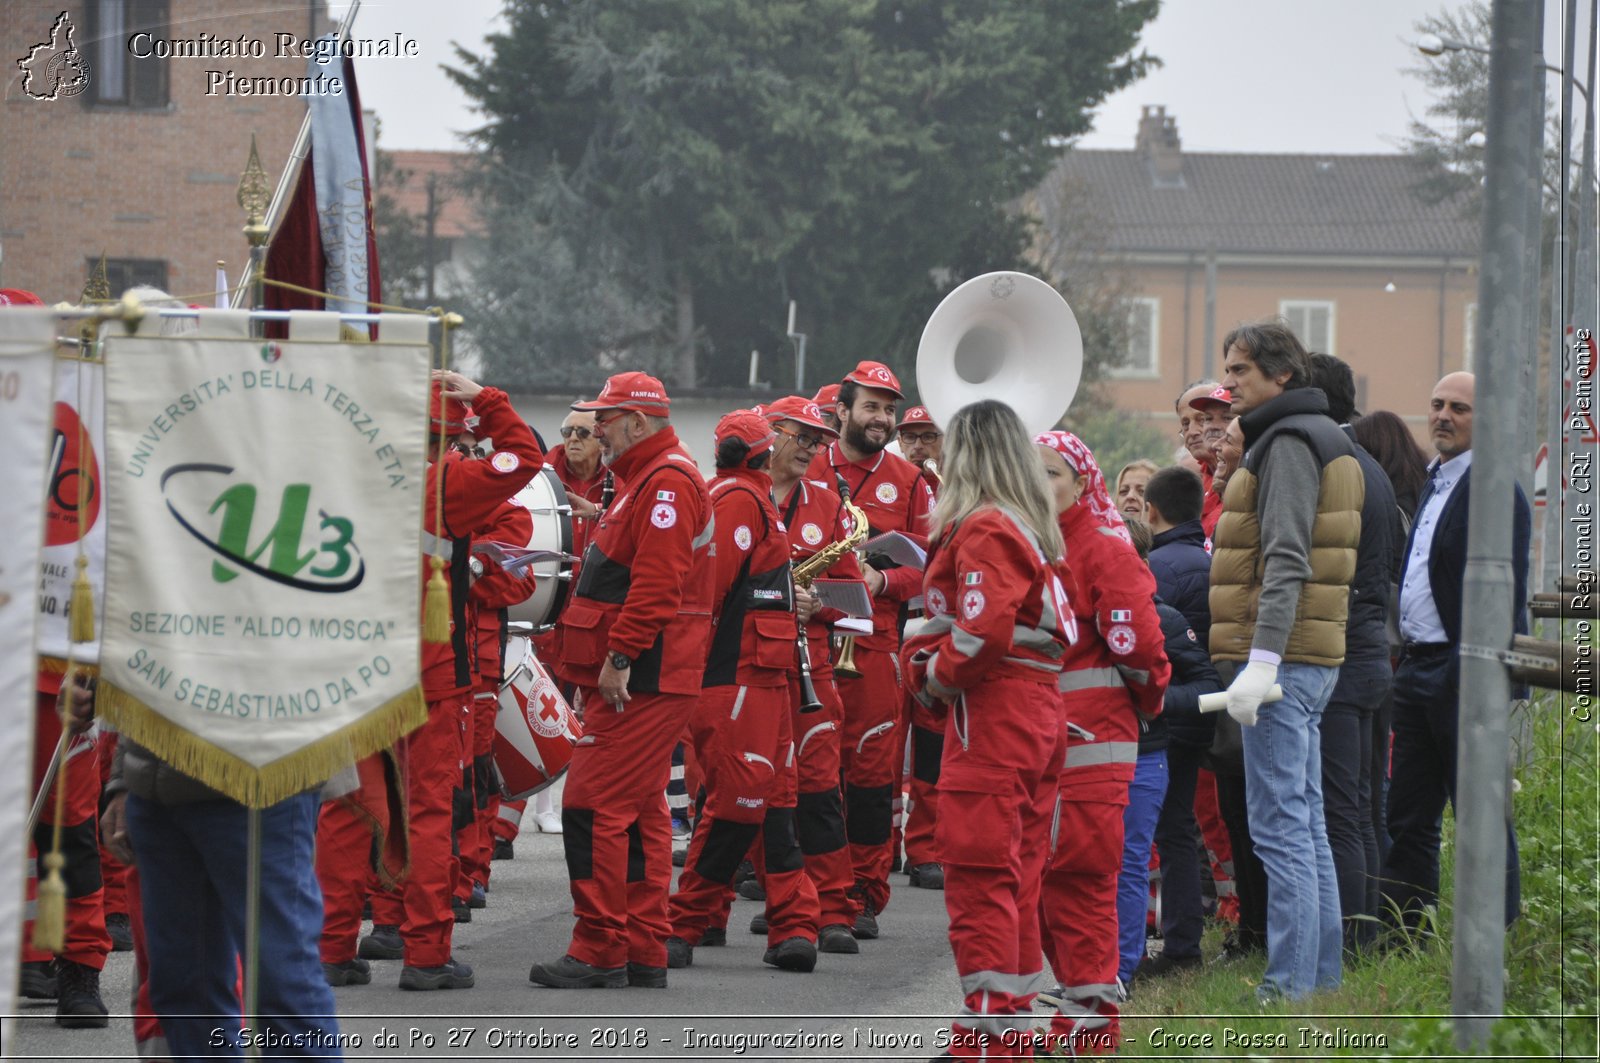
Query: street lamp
1431	44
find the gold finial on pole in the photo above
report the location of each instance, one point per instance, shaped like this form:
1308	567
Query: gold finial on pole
97	289
253	196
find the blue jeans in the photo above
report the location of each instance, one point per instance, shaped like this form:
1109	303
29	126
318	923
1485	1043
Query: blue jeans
192	862
1283	787
1133	882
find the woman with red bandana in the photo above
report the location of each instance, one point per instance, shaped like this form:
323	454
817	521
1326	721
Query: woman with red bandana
1116	672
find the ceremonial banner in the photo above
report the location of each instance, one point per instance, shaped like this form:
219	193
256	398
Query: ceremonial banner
27	339
265	510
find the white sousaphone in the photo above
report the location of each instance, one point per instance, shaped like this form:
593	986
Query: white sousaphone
1005	336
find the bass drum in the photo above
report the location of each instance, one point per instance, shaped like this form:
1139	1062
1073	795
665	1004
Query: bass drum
535	729
546	499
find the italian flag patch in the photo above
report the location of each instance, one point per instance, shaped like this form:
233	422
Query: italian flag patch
972	579
666	496
1121	616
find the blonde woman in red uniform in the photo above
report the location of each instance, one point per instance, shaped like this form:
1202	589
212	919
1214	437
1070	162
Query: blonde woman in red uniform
998	627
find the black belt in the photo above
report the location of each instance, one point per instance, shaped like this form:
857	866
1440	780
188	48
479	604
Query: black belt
1426	649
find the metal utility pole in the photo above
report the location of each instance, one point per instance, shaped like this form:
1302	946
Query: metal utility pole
1478	975
427	300
1554	495
1527	378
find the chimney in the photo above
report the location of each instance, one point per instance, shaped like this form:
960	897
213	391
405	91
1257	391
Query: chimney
1159	148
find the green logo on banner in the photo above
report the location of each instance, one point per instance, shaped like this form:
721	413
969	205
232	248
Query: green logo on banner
281	544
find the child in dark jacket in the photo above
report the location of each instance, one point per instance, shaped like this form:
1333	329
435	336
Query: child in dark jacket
1192	675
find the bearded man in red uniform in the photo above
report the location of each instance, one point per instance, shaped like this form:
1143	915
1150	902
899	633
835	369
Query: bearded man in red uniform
634	637
895	497
417	920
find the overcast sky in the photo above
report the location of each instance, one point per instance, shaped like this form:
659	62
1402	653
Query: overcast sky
1239	75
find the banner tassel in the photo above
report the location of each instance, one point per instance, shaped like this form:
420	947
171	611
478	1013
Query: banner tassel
50	913
436	606
50	916
82	626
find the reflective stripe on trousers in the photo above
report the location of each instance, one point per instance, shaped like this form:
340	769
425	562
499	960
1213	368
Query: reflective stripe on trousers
1102	753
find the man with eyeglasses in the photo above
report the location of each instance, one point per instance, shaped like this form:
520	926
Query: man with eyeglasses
921	441
815	517
634	637
895	498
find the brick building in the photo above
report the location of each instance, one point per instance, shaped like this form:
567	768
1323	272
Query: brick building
1340	245
139	159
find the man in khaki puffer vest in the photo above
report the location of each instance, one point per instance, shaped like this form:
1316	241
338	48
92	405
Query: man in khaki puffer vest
1284	554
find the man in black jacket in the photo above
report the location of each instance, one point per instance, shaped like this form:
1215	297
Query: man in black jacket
1182	567
1427	685
1348	783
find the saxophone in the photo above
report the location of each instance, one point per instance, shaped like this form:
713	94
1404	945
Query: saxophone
819	562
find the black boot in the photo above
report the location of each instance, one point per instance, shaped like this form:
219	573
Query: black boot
78	1003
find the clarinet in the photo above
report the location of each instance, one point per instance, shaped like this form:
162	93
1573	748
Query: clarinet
809	702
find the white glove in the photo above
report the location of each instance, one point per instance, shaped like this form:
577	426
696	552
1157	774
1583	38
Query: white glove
1249	688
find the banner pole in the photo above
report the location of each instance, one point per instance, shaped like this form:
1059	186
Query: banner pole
252	925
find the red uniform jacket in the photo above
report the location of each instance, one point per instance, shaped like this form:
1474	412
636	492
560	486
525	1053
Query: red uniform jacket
1118	668
658	612
473	490
497	590
997	607
815	517
894	496
754	634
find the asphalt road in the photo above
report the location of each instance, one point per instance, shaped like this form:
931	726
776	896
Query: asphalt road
888	1003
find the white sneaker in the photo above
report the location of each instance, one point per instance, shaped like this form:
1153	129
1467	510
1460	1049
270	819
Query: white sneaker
548	822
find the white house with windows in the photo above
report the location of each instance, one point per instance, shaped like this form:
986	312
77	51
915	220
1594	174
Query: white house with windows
1339	245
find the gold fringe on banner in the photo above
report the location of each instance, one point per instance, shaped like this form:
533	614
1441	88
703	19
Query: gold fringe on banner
57	666
283	778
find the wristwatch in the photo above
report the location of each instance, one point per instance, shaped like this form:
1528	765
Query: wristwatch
621	661
476	567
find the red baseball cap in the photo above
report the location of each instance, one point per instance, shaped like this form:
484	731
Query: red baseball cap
749	426
639	392
18	297
827	396
916	416
1220	396
456	412
799	409
875	375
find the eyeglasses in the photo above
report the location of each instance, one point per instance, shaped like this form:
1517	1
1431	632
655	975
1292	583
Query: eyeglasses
570	430
804	440
925	438
602	422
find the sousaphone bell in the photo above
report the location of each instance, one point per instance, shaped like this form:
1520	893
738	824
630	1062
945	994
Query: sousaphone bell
1006	336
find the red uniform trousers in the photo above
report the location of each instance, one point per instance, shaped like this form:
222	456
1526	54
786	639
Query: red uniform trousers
924	742
743	740
344	871
507	821
473	840
1079	906
86	940
421	905
616	830
819	807
1002	753
1209	816
871	762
